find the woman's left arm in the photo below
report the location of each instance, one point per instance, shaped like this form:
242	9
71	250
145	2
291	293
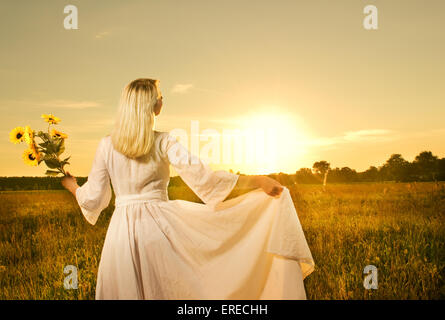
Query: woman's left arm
95	194
70	183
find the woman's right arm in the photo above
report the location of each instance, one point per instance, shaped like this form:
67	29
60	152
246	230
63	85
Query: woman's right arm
269	185
212	186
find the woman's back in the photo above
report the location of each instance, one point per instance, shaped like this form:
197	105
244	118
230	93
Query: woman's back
136	176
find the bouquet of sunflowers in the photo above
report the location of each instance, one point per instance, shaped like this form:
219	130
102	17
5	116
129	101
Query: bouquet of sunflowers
49	150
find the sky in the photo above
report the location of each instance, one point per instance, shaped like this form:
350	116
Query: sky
305	78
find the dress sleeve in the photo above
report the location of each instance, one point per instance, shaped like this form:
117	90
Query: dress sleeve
95	194
212	187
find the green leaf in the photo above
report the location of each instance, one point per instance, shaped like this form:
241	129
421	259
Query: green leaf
52	173
44	136
52	163
52	148
66	159
61	147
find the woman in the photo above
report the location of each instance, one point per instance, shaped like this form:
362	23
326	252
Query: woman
248	247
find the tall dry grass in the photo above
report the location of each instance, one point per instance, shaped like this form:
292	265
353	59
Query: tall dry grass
399	228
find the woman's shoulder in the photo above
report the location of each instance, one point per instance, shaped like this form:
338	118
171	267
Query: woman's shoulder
164	140
105	140
163	136
105	143
160	133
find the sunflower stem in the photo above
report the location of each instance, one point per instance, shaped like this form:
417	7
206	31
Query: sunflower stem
62	171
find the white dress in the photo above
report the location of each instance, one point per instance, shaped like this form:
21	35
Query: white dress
248	247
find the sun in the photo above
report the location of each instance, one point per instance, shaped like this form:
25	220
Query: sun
276	141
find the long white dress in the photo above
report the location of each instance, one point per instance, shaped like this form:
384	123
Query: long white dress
248	247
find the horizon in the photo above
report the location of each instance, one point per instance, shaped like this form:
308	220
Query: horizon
271	173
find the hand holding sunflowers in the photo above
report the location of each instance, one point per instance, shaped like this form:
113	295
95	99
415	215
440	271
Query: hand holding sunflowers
49	150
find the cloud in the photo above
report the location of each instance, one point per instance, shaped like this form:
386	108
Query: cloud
57	103
102	34
368	135
181	88
361	135
71	104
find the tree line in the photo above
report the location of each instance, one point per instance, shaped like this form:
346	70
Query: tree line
425	167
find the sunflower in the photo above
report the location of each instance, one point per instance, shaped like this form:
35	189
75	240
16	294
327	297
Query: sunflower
31	156
51	118
57	134
29	136
17	135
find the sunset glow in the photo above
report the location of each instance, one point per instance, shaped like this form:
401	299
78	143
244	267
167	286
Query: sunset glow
325	86
281	141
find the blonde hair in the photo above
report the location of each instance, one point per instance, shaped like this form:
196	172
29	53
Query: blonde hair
133	133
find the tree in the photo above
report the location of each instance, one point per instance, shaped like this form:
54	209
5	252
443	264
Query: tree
441	169
348	174
426	165
322	168
285	179
372	174
395	168
305	175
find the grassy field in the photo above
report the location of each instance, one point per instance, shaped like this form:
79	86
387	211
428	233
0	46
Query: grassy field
399	228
